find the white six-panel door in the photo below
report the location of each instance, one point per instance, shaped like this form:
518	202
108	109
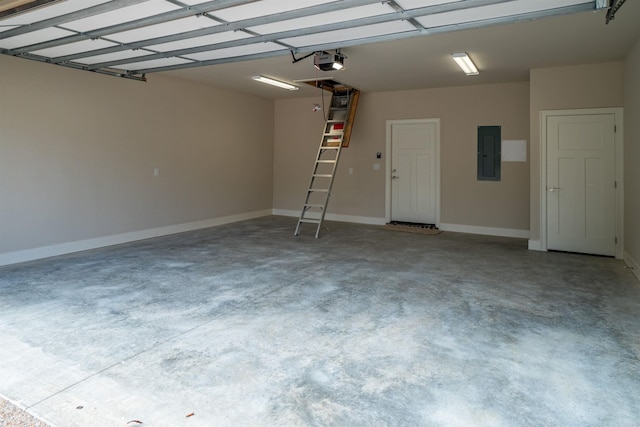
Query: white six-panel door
580	191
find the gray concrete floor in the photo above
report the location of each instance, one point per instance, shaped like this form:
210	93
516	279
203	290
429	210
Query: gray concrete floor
245	324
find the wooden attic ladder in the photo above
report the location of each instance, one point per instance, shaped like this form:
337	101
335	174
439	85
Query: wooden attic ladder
335	136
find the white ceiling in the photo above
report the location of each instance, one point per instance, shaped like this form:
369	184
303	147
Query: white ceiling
405	44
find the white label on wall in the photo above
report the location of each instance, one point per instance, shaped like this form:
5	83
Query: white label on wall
514	150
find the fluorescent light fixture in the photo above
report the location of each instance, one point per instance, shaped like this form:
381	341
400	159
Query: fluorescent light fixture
467	65
274	82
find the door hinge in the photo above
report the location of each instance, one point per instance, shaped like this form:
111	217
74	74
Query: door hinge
615	184
616	240
615	128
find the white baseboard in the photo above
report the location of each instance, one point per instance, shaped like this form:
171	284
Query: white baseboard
487	231
99	242
285	212
635	265
336	217
535	245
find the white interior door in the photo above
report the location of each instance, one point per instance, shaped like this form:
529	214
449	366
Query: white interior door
581	200
414	172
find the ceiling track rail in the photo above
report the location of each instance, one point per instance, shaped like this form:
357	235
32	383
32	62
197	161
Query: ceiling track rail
615	6
18	7
109	72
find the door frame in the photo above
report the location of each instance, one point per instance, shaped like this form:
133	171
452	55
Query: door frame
618	170
390	123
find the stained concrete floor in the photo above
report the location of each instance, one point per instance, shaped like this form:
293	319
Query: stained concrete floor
245	324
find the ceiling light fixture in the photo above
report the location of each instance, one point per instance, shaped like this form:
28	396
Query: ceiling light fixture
274	82
328	61
467	65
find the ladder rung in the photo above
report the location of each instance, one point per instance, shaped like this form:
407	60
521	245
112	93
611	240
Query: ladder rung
319	190
309	205
322	175
336	121
309	220
325	161
334	134
330	147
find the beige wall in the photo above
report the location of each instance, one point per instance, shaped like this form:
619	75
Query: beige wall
583	86
632	158
464	200
78	151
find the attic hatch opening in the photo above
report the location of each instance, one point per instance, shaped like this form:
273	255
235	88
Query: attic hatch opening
326	83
